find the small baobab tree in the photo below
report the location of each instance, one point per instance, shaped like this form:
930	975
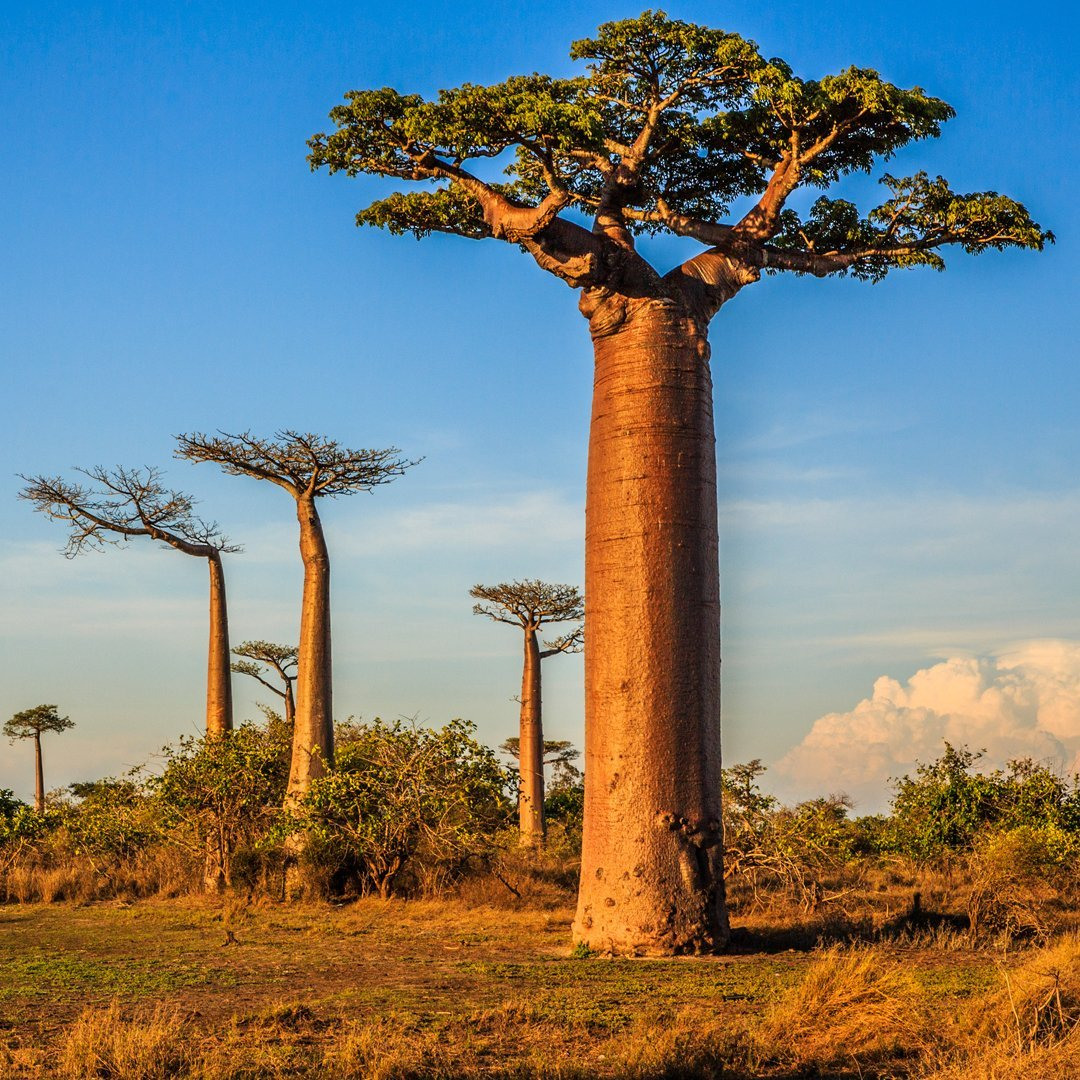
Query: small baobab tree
531	605
121	504
31	724
309	467
281	659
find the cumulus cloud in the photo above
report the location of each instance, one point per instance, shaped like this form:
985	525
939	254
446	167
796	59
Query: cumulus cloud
1021	702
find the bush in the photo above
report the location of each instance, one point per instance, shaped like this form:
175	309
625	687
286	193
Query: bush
406	802
222	798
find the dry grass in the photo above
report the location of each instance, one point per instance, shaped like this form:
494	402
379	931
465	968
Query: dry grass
852	1004
423	990
1029	1029
111	1045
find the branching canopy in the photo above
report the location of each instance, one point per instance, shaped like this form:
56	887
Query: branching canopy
31	723
306	465
670	124
530	604
120	504
280	658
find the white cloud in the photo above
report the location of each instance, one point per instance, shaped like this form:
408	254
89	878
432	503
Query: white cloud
1020	702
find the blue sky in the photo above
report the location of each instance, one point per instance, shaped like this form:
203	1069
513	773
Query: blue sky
898	463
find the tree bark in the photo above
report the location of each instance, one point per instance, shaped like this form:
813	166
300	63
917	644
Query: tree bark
313	730
531	747
651	868
219	671
39	776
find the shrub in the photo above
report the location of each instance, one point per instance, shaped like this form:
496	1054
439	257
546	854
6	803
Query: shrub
405	800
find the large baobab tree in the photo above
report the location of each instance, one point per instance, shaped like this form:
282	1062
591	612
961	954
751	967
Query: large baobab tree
309	467
531	605
281	659
31	724
670	125
125	503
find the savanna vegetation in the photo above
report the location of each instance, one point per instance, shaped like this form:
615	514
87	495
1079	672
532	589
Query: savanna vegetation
940	939
305	897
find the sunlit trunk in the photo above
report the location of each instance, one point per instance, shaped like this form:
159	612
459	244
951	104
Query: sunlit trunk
219	671
531	747
39	776
313	732
651	874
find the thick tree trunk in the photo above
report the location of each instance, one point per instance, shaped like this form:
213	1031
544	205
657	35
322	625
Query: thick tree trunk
531	747
219	670
651	869
313	730
39	776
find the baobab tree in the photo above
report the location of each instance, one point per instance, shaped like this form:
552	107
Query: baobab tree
309	467
126	503
31	724
531	605
670	126
280	659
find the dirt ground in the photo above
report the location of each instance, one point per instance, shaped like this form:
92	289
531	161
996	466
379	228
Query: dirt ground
498	991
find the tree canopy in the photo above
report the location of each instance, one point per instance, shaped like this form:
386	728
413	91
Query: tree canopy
121	504
530	604
305	464
671	125
32	723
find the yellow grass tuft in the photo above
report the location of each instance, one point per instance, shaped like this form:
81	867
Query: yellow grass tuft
104	1044
851	1003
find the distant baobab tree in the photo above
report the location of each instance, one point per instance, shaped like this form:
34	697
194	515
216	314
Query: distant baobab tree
309	467
126	503
281	659
530	605
669	128
31	724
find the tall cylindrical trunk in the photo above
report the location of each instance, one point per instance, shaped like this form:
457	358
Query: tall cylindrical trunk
531	747
219	668
313	730
39	776
651	868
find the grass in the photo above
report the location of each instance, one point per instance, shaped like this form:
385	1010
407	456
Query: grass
393	989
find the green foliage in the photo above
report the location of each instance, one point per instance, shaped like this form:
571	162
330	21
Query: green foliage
907	229
113	818
946	805
405	799
770	846
31	723
224	792
670	118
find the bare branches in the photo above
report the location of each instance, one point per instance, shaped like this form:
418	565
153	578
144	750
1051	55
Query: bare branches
530	604
305	464
121	504
572	642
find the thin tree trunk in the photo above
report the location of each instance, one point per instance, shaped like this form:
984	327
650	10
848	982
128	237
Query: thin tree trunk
219	671
39	776
531	747
651	873
290	704
313	732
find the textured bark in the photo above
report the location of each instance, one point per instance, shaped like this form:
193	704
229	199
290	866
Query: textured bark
313	730
39	776
531	747
651	871
219	670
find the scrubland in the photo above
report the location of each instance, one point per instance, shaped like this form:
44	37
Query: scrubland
417	938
